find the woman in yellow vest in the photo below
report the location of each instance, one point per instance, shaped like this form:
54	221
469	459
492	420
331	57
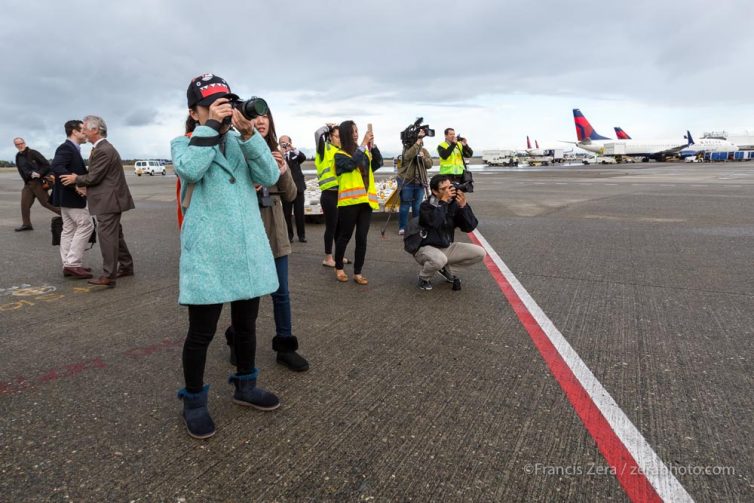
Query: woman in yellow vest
357	196
327	139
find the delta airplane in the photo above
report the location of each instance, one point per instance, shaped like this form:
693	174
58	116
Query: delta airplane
695	147
620	134
590	140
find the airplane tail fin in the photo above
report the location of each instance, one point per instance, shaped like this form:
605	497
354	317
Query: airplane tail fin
528	142
620	134
689	139
536	143
584	130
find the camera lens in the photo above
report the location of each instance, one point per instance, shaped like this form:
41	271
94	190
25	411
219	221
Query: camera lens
254	107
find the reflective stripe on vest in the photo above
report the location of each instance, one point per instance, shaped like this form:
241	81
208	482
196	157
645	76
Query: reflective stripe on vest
453	165
326	167
351	188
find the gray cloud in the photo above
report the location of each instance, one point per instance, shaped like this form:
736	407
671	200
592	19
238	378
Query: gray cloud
131	61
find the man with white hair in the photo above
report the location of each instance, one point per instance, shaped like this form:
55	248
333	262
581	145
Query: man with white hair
108	196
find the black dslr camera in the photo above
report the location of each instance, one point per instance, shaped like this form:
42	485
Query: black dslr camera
464	186
251	108
411	133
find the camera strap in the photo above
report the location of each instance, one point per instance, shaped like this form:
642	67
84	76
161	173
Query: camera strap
206	141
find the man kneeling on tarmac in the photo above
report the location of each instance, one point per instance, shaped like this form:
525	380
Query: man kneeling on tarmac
439	215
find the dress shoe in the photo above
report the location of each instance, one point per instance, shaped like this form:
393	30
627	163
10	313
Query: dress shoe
77	272
122	273
66	273
24	228
102	281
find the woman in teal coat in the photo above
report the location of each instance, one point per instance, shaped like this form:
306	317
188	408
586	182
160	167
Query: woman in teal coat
225	254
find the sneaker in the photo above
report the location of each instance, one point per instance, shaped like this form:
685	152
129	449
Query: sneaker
446	274
424	284
401	232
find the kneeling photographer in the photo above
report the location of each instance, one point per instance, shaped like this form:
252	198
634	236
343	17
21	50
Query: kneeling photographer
412	173
439	216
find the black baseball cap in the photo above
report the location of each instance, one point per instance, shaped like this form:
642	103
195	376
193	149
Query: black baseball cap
206	88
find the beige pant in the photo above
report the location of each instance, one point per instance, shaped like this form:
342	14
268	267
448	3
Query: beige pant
77	227
457	254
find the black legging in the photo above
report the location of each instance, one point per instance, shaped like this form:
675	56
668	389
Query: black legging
358	216
297	208
202	327
329	202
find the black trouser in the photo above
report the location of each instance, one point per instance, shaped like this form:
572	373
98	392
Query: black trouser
358	216
329	202
33	190
297	206
202	327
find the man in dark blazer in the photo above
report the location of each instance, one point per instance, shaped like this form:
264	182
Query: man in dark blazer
108	196
77	222
33	167
294	158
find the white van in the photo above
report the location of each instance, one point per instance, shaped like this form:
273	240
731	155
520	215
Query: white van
149	168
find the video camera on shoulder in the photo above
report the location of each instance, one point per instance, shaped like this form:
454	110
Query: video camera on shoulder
411	133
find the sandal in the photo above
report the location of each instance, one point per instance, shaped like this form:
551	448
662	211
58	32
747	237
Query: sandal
346	261
341	275
361	280
328	264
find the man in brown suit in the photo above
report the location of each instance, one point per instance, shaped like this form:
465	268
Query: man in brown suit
108	196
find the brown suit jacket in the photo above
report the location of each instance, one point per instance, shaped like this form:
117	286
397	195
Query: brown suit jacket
107	190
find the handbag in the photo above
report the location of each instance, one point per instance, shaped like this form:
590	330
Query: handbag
413	236
56	227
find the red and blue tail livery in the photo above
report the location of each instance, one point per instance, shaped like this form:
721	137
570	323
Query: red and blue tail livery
584	130
620	134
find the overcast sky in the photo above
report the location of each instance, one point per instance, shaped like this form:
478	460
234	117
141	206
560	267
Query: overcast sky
494	70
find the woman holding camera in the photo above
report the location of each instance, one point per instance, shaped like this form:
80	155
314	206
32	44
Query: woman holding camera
225	256
357	196
271	209
327	139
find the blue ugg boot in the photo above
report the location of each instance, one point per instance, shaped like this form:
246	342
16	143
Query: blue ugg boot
248	395
195	413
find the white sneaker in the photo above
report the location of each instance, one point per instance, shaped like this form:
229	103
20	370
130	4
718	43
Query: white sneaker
401	232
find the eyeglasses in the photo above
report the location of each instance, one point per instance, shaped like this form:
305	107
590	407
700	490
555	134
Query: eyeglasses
19	144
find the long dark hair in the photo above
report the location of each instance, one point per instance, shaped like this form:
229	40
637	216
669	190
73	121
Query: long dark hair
324	138
272	136
346	137
190	122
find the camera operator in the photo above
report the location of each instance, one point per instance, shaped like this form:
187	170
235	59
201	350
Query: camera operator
452	151
33	168
412	174
445	210
294	157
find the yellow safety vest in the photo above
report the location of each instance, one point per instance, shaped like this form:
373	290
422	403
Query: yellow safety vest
351	188
453	165
326	167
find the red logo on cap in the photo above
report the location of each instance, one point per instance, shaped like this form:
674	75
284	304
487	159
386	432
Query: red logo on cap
211	89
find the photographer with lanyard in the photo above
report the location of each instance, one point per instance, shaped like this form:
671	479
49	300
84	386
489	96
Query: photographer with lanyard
225	254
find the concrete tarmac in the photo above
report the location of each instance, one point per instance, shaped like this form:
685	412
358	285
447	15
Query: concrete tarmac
412	396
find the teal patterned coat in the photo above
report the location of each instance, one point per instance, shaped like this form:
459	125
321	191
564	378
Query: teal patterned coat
225	253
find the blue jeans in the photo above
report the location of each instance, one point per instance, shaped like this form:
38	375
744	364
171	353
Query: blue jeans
412	195
281	299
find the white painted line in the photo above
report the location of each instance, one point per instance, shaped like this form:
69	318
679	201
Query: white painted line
650	465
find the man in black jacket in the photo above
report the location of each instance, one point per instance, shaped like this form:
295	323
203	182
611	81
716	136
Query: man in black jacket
445	210
33	167
294	158
77	222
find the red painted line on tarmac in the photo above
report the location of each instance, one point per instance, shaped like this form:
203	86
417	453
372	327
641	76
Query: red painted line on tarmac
627	470
21	383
